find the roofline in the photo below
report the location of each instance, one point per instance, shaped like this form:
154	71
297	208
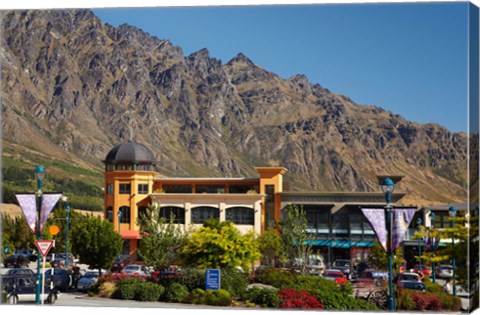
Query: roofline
205	179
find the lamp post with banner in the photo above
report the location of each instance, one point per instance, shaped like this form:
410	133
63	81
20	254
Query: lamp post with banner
387	188
452	212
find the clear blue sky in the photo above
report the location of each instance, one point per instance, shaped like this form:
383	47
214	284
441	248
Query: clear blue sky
408	58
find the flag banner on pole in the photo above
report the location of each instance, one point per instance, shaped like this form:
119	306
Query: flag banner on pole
28	205
48	202
376	217
431	243
401	220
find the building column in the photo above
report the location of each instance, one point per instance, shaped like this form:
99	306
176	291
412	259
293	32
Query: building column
188	215
223	214
257	224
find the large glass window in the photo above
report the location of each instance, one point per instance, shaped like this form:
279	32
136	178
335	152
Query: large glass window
177	189
318	221
109	189
201	214
110	214
243	189
124	189
340	224
177	212
210	189
125	217
143	189
241	215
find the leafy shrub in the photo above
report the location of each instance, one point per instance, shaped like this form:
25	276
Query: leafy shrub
291	298
328	293
405	302
276	277
217	298
107	289
127	288
148	291
176	293
192	279
263	297
114	277
428	301
234	281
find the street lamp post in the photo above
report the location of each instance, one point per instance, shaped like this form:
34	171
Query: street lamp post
432	240
39	175
67	217
419	223
452	212
119	214
387	188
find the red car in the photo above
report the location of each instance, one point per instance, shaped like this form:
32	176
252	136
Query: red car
337	275
425	270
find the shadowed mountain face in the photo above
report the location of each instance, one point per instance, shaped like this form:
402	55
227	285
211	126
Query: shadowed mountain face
73	88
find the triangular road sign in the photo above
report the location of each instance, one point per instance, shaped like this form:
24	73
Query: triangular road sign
44	246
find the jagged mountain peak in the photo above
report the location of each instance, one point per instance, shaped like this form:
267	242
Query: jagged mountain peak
68	94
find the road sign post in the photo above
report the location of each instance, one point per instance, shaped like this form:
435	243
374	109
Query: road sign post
212	279
44	247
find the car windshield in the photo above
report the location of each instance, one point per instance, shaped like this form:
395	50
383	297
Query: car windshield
410	277
334	275
132	268
341	262
91	274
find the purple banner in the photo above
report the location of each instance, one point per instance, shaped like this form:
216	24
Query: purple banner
431	243
376	217
29	209
48	202
401	221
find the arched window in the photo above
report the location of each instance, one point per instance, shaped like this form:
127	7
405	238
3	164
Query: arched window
202	214
241	215
177	212
110	213
125	218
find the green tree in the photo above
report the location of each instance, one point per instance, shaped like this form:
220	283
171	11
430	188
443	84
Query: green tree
379	259
96	242
465	236
296	241
270	246
220	245
162	239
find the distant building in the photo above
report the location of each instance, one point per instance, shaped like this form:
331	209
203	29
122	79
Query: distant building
335	219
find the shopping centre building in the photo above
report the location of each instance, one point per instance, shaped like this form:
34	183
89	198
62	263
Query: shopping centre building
335	220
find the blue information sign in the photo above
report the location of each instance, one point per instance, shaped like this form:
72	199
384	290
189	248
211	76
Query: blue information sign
212	279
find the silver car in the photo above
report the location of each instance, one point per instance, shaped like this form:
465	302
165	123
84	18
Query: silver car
88	280
136	270
444	271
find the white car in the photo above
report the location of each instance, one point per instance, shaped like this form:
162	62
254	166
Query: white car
136	270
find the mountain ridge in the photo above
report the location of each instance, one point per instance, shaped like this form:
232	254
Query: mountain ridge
74	86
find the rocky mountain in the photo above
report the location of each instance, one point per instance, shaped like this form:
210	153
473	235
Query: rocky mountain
72	88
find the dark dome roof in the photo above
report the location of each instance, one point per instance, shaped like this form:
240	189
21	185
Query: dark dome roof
129	152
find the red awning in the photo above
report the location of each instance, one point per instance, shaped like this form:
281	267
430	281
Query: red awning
130	235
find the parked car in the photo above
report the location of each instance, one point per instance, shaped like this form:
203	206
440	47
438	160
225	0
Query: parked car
120	262
412	285
336	275
408	276
27	253
27	272
371	277
62	278
168	273
16	261
88	280
425	270
315	265
23	289
136	270
344	265
444	271
60	260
